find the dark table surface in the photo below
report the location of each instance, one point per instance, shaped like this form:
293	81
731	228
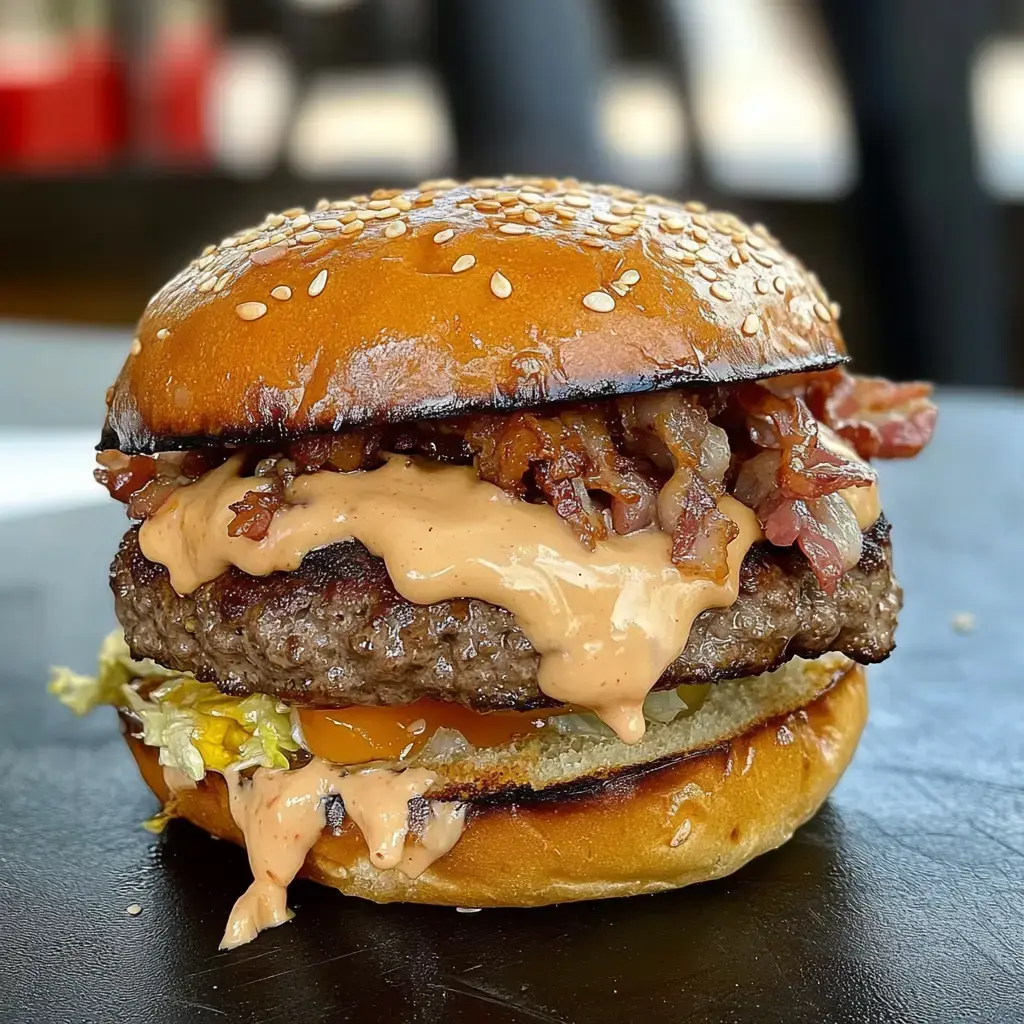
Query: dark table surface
902	901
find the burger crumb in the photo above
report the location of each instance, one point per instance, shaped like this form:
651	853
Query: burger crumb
962	622
133	910
468	910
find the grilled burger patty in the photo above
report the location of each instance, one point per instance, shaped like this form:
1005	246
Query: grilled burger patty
335	632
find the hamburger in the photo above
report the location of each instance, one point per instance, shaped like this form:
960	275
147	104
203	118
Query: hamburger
495	544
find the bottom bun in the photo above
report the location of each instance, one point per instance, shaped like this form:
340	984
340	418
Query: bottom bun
645	829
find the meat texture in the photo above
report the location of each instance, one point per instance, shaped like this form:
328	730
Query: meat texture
335	632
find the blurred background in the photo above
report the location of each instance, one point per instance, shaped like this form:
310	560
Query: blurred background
882	140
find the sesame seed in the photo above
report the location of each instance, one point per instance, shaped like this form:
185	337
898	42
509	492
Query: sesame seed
109	396
530	197
701	221
279	236
707	273
500	285
349	217
249	236
275	220
209	250
707	255
309	237
506	198
835	309
318	284
689	245
629	277
721	292
734	258
162	334
133	910
394	229
599	302
765	261
401	203
673	224
445	235
221	283
700	234
620	208
282	292
426	198
379	204
463	263
751	325
257	244
822	313
755	242
532	217
365	214
761	286
780	285
580	202
391	211
352	227
695	207
512	229
619	288
136	346
606	218
204	262
329	225
488	206
251	310
302	222
545	207
228	243
620	229
963	622
565	212
206	284
593	243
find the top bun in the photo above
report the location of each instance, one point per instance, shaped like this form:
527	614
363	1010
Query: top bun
494	294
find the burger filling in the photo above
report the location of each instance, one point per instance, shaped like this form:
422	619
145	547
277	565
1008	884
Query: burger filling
336	618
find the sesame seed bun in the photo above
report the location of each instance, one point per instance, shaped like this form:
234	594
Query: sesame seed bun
494	294
736	786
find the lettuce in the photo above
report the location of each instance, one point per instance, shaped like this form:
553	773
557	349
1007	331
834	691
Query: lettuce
196	727
115	668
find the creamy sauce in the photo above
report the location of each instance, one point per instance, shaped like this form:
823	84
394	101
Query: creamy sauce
378	802
607	623
443	830
281	815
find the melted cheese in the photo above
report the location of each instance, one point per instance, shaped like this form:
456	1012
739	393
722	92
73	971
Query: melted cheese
607	623
281	815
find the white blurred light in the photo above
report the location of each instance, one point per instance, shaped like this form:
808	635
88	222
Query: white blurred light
372	122
769	106
249	104
644	128
998	99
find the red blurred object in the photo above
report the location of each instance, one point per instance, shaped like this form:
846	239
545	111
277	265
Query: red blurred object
173	86
62	101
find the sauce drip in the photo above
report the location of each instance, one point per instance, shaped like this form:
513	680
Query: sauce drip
281	815
607	623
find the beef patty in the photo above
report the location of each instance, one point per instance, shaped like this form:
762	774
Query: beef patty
335	631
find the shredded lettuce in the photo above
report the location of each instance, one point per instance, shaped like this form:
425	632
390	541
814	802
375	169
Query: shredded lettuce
114	669
196	727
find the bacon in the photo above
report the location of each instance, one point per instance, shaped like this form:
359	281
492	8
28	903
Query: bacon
878	418
255	512
144	482
687	504
806	469
825	528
